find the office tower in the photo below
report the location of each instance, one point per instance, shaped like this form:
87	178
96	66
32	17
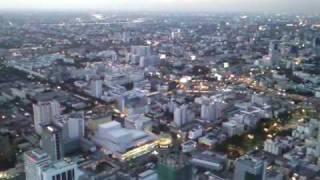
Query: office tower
180	115
141	50
249	168
211	110
45	112
273	146
73	126
126	37
149	61
316	46
174	167
34	160
274	52
52	141
142	61
96	88
61	170
132	102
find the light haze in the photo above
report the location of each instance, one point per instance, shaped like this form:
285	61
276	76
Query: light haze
169	5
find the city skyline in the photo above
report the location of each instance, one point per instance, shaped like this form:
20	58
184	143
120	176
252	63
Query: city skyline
290	6
160	89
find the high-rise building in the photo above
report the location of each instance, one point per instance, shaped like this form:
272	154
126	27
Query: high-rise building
45	112
52	141
126	37
316	46
73	131
212	110
272	146
75	123
274	52
34	160
141	50
96	88
181	115
61	170
249	168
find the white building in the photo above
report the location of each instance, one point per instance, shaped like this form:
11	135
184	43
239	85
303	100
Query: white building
181	115
138	121
34	160
211	111
233	128
45	112
211	108
96	88
123	143
189	146
75	125
52	141
274	52
195	132
63	170
273	147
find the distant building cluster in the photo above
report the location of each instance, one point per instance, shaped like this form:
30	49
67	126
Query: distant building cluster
121	96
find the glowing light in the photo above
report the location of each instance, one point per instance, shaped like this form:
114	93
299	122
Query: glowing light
165	141
50	128
155	152
251	136
185	79
139	151
163	56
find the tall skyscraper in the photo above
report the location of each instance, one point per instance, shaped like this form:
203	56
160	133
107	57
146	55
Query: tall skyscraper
274	52
52	141
316	46
211	109
45	112
34	160
126	37
180	115
73	126
96	88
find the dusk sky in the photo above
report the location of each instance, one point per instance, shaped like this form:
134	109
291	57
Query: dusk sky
172	5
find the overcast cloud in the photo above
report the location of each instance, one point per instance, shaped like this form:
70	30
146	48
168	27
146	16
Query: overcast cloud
172	5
